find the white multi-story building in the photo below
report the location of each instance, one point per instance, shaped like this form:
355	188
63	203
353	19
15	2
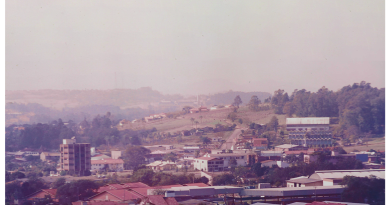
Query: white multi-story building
241	158
209	164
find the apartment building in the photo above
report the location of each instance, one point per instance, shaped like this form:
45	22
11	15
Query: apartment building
75	157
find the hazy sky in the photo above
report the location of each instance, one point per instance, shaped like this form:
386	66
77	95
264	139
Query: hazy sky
193	47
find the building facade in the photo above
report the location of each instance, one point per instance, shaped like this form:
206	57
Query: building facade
208	164
75	157
309	131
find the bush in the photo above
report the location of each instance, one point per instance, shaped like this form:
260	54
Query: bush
63	173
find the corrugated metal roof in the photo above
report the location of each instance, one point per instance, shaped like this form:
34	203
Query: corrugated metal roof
286	146
308	121
338	174
294	191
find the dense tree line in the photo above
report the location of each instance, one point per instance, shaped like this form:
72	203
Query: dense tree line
369	190
100	131
358	105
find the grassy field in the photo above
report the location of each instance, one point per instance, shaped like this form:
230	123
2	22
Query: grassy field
209	119
375	144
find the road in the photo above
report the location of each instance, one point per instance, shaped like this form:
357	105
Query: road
229	142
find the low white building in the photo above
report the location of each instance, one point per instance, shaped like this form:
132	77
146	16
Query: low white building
270	163
161	165
191	149
241	158
113	164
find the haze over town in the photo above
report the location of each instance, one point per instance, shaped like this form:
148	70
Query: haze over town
195	102
189	48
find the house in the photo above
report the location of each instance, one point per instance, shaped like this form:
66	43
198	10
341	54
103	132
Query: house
161	165
52	156
194	110
117	195
159	147
41	194
19	154
100	157
124	122
270	163
158	200
122	186
289	147
191	149
260	143
241	158
334	158
209	164
112	164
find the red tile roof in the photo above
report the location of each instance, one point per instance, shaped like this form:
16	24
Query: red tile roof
99	203
160	200
122	194
51	192
257	142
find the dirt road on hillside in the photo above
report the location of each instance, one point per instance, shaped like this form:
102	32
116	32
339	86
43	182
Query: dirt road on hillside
229	142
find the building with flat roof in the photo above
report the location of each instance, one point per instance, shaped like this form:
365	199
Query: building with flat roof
307	124
209	164
75	157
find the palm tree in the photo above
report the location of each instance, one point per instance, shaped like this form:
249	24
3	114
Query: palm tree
192	121
196	123
201	118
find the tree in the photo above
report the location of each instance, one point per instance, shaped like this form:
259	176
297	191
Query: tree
59	182
134	156
201	117
143	175
192	121
205	140
274	123
196	123
76	190
237	101
254	103
363	190
232	116
240	121
170	157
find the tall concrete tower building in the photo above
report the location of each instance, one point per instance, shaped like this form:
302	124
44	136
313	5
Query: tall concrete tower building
75	157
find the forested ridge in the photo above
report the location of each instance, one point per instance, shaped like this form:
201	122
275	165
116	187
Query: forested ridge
360	107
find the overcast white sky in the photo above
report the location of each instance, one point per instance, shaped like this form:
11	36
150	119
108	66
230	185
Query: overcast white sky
191	47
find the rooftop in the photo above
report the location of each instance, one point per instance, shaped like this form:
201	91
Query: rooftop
308	121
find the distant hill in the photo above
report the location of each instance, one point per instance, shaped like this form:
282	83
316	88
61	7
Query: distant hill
59	99
228	97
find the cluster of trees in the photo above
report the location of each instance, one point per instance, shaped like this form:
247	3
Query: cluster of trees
66	192
37	135
152	178
226	98
359	105
369	190
100	131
